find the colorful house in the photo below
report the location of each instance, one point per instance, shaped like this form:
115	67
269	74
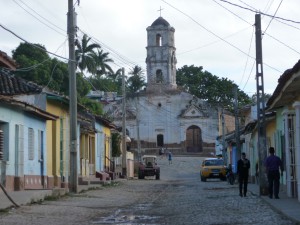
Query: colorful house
285	101
23	134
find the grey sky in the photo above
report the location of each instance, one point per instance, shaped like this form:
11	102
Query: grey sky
209	33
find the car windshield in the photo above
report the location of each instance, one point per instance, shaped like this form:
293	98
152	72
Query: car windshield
215	162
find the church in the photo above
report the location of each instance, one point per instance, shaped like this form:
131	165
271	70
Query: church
163	115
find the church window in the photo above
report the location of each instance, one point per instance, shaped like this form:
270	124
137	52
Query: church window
158	40
159	76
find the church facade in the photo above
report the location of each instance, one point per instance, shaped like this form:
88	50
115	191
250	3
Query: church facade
162	115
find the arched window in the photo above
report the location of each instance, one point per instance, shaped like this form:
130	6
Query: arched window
158	40
159	76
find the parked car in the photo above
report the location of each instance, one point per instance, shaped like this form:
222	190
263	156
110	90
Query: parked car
148	167
213	168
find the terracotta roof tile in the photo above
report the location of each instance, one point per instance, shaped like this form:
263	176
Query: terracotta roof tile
12	85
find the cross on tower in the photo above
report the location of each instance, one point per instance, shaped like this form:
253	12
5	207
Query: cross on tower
160	9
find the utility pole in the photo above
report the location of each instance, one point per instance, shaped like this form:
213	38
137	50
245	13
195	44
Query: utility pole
237	127
124	150
138	127
224	150
261	124
73	97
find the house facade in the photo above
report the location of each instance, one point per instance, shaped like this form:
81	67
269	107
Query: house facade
23	130
282	123
285	101
34	132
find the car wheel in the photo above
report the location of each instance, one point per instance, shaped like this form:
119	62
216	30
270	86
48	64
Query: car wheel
203	179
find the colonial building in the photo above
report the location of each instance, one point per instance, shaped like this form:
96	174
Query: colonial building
162	115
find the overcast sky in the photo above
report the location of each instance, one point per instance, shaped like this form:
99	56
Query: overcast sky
214	34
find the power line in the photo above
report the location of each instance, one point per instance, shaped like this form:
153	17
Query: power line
247	59
255	11
118	56
273	16
265	31
213	42
64	34
209	31
13	33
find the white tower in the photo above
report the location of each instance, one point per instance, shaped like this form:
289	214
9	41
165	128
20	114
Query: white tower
161	59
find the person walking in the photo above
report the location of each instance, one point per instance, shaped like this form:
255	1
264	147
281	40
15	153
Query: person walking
273	163
243	167
170	157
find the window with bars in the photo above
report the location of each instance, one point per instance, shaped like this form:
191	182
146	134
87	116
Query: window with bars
30	144
40	144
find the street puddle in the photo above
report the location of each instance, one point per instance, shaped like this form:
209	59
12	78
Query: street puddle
130	217
127	219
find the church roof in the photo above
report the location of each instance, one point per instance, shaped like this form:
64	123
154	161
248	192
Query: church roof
160	21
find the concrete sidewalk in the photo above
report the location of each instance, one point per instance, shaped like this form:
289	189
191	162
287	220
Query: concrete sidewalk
22	197
290	207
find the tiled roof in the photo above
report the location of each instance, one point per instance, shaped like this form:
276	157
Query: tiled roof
7	61
282	81
12	85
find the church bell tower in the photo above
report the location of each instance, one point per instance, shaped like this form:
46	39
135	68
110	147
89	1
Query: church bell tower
161	59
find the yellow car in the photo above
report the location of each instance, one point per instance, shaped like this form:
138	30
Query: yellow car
213	168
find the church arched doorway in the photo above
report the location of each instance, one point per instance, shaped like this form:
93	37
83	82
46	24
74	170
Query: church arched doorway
160	140
193	139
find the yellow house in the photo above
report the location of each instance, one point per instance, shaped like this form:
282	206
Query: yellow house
87	145
58	142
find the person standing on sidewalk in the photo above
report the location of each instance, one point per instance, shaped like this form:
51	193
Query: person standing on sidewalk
243	167
273	163
170	157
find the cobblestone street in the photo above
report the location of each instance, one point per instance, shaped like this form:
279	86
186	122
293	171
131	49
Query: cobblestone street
178	198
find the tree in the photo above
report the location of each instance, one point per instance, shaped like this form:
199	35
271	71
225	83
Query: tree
209	87
101	60
94	106
33	62
116	142
137	81
85	54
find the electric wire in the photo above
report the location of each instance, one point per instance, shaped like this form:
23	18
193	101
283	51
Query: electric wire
212	43
113	52
59	32
209	31
265	33
255	11
246	64
13	33
273	17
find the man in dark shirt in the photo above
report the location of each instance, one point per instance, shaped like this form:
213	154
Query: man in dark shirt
243	166
273	164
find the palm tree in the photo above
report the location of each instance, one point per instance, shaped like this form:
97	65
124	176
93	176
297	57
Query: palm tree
137	81
101	59
85	54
